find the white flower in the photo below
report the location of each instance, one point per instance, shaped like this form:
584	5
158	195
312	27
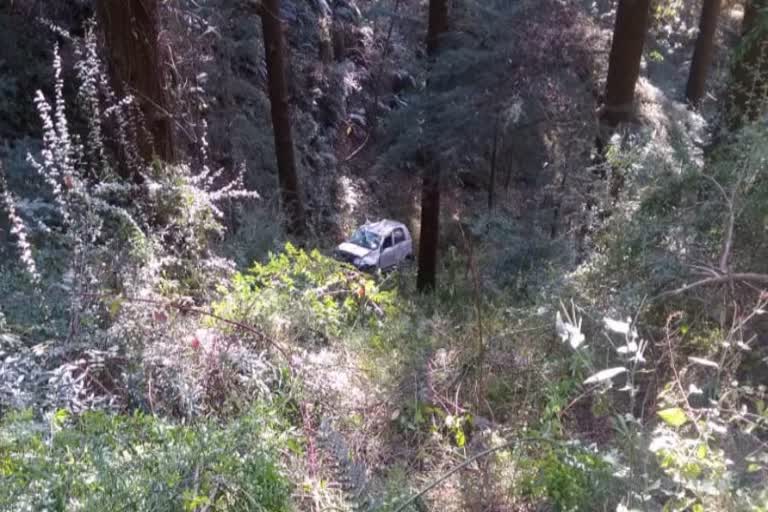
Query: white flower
605	375
620	327
569	332
629	348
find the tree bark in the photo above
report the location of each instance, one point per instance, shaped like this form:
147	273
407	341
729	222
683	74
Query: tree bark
624	63
492	178
135	68
438	24
702	54
290	192
749	84
429	237
325	40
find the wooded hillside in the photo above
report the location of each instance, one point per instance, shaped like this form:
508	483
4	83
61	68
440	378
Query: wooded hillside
384	255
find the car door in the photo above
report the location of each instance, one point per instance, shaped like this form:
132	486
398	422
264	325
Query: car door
399	242
388	254
408	244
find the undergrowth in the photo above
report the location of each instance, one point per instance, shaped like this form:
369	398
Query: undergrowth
100	461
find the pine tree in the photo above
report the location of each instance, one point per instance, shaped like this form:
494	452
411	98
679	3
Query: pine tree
624	65
702	54
429	236
748	90
438	24
135	68
274	48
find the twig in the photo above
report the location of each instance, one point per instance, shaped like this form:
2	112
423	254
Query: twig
469	461
472	267
720	279
730	201
672	365
574	402
359	149
728	242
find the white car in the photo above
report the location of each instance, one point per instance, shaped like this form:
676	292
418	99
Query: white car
378	245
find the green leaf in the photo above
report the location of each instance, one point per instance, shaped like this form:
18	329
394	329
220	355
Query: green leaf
294	446
674	416
461	439
115	306
60	416
418	418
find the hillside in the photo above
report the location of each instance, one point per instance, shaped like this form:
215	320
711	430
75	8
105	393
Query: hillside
578	324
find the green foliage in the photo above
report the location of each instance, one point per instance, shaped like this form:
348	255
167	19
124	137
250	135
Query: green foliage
656	56
694	448
305	294
571	478
557	395
418	417
683	213
665	11
98	461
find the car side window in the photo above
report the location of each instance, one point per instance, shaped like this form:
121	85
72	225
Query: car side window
399	236
387	242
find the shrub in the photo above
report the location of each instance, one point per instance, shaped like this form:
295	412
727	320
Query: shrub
99	232
98	461
703	448
305	294
571	478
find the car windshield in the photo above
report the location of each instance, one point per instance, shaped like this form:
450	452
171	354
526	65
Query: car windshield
365	238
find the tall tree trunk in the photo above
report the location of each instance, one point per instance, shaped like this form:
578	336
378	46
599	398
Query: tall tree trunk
749	83
290	191
624	63
135	68
702	54
492	178
429	237
438	24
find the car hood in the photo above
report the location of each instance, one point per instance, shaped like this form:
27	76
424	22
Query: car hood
355	250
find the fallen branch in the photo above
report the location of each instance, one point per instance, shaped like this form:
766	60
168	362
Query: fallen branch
720	279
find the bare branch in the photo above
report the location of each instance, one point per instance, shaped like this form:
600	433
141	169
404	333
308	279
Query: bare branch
749	277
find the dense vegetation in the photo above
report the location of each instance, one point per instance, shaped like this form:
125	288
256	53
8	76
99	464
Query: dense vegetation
584	325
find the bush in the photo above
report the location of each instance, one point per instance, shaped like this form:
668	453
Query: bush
303	294
98	461
570	478
704	448
91	231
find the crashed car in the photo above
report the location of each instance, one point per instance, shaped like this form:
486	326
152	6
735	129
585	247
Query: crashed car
380	245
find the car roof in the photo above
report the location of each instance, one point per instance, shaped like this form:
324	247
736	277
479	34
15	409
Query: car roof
383	227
